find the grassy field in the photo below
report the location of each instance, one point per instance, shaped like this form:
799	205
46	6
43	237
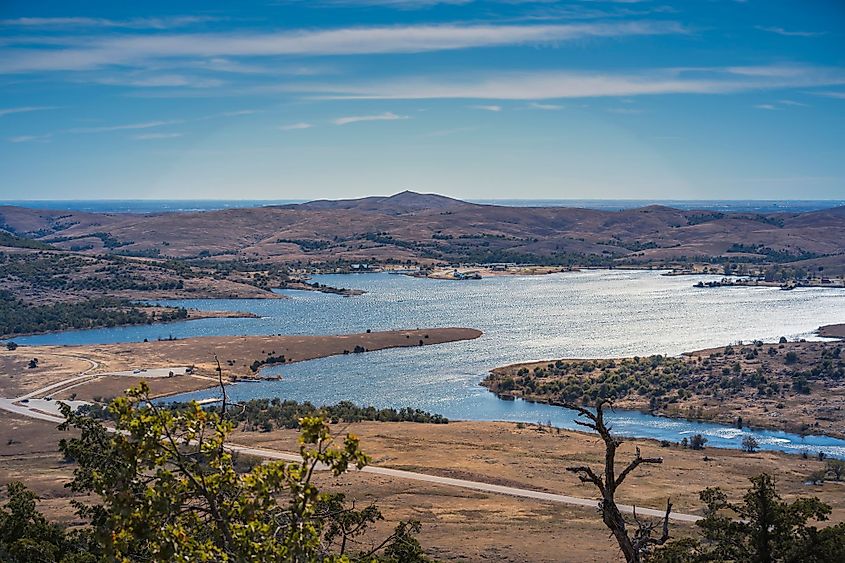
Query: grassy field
460	524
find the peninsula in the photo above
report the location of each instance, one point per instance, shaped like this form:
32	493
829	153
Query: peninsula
795	386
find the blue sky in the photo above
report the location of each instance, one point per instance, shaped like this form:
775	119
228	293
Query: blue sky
303	99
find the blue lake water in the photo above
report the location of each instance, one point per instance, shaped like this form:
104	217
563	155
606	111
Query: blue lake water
588	314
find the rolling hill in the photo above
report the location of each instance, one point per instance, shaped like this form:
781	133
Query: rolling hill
430	228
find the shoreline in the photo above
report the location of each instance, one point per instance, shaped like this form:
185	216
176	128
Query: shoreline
237	355
193	315
823	404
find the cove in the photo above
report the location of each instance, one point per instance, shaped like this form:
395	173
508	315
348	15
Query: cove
587	314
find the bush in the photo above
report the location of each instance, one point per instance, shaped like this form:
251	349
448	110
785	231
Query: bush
750	444
697	442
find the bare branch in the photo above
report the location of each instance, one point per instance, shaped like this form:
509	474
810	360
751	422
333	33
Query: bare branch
219	371
638	459
587	475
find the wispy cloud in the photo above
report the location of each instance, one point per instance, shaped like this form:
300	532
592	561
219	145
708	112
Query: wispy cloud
792	103
780	104
129	126
789	33
837	95
162	81
30	138
486	108
626	111
89	53
386	116
545	85
546	107
155	136
133	23
24	109
296	126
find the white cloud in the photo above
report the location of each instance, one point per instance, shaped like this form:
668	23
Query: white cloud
134	23
626	111
162	81
296	126
780	104
546	107
792	103
89	53
130	126
154	136
25	109
30	138
545	85
787	33
838	95
486	108
386	116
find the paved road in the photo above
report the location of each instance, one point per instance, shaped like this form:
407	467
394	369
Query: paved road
10	405
474	485
82	376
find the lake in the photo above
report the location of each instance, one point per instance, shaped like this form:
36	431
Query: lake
587	314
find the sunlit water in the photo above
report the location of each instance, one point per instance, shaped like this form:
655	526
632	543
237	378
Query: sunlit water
589	314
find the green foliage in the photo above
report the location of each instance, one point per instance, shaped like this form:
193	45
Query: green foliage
17	317
697	442
269	360
763	528
26	536
10	240
168	491
666	382
265	414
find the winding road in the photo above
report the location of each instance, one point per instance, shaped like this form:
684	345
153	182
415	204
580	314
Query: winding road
16	406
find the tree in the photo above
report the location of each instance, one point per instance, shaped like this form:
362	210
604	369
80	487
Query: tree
836	467
750	443
25	535
697	442
168	490
11	346
817	477
607	482
761	529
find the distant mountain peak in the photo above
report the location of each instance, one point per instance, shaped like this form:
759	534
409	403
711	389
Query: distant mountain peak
406	201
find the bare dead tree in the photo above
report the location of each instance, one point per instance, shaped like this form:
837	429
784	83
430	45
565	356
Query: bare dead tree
219	371
607	482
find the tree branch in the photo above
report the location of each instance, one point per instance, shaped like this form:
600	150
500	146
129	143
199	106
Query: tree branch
638	459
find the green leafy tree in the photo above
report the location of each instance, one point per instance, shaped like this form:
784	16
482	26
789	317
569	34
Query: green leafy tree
169	491
761	529
25	535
